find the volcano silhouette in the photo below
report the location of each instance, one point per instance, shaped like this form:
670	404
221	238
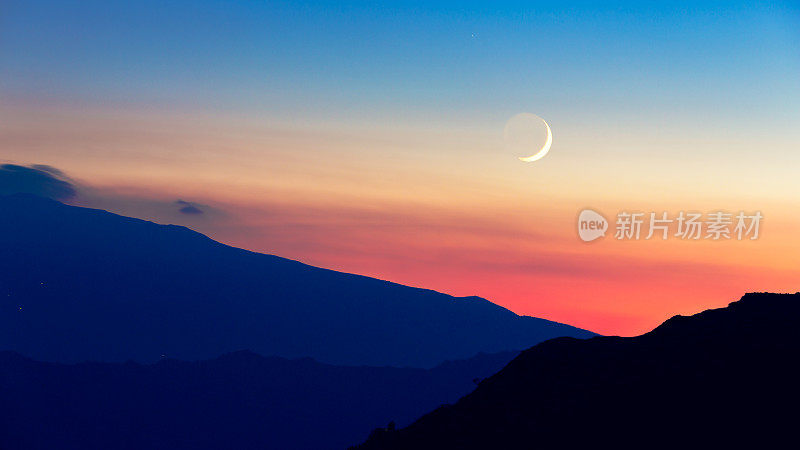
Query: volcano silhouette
79	284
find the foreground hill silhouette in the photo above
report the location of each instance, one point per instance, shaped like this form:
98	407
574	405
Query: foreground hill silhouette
723	378
79	284
237	401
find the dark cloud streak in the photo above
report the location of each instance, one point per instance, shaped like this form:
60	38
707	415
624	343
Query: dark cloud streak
49	169
38	179
188	208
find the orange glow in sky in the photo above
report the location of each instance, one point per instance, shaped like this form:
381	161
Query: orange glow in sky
444	205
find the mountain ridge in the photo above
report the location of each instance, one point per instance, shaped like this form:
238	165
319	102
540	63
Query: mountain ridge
118	288
721	377
237	400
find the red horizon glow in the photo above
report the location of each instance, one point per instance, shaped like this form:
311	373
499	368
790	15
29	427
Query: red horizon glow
480	224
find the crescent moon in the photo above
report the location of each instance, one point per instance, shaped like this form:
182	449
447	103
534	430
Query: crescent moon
546	148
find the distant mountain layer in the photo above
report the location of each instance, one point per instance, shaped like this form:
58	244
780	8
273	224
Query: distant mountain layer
724	378
79	284
238	401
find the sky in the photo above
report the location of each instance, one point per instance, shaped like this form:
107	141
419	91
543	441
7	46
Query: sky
369	138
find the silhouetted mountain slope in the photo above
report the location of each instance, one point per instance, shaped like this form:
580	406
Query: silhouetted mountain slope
238	401
719	379
78	284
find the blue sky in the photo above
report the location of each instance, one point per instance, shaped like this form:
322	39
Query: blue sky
404	58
